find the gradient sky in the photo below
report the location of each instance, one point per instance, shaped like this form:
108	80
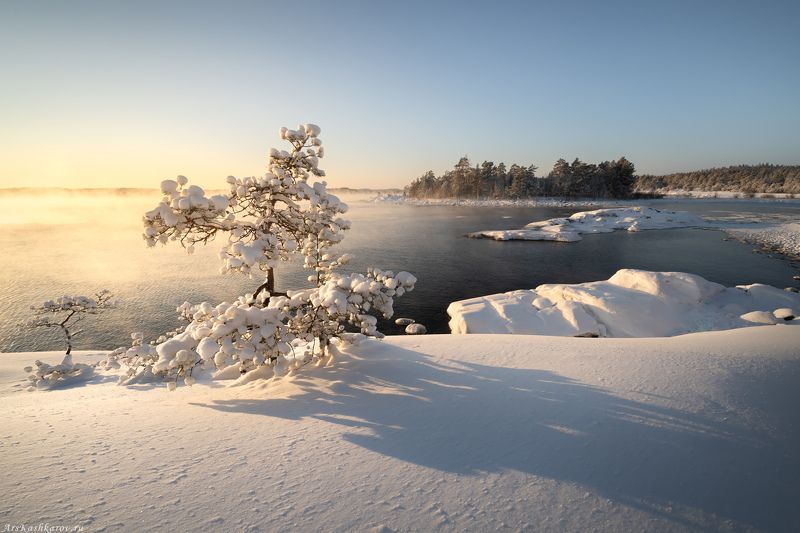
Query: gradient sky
124	94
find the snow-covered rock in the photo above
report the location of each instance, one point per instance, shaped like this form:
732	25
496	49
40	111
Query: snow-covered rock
760	317
599	221
416	329
785	313
632	303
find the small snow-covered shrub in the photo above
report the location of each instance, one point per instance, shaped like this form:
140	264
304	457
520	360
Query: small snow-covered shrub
138	361
46	376
64	312
171	358
266	220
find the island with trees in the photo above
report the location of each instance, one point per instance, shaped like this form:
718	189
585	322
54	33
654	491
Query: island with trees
608	179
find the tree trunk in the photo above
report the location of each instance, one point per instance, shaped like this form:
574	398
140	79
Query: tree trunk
69	338
269	286
270	280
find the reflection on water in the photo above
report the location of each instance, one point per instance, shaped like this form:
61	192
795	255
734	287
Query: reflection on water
78	243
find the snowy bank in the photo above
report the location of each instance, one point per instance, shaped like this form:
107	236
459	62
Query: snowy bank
599	221
442	432
632	303
725	195
784	238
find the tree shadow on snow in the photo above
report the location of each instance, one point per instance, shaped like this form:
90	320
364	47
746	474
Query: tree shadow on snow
469	419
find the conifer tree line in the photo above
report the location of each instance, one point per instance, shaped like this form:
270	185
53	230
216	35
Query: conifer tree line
609	179
762	178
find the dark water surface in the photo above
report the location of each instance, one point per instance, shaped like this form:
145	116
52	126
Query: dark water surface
87	244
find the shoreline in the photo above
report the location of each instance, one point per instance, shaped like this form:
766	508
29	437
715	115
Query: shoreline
551	201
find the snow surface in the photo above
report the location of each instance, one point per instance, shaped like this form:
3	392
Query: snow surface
441	432
598	221
632	303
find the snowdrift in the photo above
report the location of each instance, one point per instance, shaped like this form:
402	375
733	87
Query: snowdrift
632	303
443	432
598	221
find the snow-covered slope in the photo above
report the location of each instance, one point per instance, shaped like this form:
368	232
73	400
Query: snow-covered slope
632	303
452	433
599	221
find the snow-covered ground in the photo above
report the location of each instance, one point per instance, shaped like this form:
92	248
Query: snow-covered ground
632	303
784	238
452	433
598	221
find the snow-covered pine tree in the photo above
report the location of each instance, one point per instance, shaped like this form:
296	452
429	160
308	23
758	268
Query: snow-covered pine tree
266	220
64	312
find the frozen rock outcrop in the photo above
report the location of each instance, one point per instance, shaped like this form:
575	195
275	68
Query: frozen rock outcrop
599	221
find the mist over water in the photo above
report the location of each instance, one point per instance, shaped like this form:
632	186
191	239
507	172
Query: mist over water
55	244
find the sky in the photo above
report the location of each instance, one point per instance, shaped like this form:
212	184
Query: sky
125	94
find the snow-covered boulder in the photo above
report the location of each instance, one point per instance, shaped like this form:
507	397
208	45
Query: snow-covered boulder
632	303
598	221
760	317
416	329
785	313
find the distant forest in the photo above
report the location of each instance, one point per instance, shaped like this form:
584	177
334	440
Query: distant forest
762	178
609	179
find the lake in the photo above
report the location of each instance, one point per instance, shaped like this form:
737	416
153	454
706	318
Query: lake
79	243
